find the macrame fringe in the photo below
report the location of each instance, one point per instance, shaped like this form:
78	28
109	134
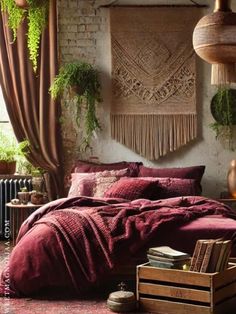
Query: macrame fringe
223	74
153	136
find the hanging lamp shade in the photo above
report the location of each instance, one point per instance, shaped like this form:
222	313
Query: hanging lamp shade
214	40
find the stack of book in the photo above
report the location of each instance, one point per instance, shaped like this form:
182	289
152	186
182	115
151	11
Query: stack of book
211	256
166	257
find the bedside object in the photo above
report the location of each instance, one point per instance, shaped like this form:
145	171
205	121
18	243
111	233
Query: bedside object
23	197
18	213
37	198
227	200
175	291
121	301
231	179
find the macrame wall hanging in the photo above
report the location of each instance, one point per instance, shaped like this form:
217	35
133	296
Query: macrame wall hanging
153	109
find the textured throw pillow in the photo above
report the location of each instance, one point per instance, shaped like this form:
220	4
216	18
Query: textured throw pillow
82	184
94	183
85	166
172	187
133	188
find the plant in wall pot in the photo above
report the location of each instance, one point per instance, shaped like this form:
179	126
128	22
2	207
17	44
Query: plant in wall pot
223	109
81	82
36	13
10	150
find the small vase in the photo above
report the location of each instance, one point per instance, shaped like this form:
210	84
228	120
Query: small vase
231	179
24	197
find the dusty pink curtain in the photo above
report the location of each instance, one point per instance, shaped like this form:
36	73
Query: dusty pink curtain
33	114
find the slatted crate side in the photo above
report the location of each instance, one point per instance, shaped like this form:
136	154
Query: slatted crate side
168	291
178	293
224	285
166	306
146	271
225	277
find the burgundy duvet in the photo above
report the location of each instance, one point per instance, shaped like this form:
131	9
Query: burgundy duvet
69	245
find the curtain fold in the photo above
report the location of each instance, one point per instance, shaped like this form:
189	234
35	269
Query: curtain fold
33	113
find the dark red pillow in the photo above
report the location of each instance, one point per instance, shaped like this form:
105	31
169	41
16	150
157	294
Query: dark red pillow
194	172
173	187
86	166
132	188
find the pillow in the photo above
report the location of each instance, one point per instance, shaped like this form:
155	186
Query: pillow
94	183
132	188
194	172
81	184
173	187
85	166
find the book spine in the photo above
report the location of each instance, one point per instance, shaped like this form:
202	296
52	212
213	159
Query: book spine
198	263
207	256
225	255
195	254
214	257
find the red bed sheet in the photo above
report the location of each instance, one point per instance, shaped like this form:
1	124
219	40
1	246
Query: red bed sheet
208	227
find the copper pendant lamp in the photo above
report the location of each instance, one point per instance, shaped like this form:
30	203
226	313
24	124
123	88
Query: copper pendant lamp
214	40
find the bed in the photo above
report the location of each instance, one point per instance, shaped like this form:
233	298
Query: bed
70	245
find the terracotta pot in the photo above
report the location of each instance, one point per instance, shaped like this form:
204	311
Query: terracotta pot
77	90
7	167
37	198
231	179
22	4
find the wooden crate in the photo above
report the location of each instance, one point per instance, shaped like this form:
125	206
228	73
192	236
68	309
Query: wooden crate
172	291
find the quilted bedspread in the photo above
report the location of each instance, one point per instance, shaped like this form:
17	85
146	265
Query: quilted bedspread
70	244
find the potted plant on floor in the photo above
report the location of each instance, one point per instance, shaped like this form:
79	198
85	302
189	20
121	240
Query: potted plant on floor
10	150
223	109
36	13
81	82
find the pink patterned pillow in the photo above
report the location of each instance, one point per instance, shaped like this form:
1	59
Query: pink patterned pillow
82	184
94	183
133	188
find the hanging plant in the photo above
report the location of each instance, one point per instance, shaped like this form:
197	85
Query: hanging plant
36	13
223	109
80	81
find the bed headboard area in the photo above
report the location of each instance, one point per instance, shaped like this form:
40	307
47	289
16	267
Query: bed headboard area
132	180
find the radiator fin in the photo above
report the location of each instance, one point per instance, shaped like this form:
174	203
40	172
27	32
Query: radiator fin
9	187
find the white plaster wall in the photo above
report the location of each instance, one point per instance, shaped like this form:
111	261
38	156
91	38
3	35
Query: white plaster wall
205	150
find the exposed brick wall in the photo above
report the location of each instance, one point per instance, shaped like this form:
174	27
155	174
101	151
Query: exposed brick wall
80	23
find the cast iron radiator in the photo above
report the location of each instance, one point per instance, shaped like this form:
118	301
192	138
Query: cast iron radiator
9	187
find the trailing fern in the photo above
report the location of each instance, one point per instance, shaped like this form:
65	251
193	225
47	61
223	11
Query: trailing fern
37	17
15	15
36	14
80	81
